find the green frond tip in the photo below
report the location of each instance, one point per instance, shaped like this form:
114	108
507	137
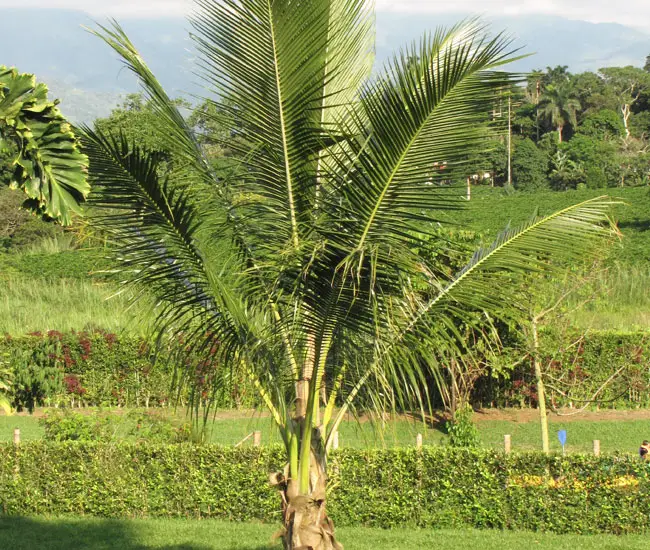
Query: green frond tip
47	162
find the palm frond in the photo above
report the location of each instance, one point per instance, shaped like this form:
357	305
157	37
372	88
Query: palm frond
280	68
423	334
415	126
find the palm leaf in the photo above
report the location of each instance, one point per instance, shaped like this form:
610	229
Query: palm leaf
422	114
282	69
491	284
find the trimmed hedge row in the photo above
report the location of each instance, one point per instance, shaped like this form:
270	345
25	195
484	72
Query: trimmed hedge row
428	488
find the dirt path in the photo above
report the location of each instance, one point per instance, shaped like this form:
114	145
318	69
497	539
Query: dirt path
567	415
483	415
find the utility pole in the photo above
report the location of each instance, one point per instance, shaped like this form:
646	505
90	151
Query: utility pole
537	108
509	141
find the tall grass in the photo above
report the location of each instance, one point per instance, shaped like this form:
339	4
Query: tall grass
621	300
52	245
31	305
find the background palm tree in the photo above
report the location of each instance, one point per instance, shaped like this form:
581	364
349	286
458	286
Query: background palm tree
47	163
560	107
303	272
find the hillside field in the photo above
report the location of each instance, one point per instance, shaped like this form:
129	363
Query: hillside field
63	288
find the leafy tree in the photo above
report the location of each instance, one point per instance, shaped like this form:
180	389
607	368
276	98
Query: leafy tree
602	125
47	164
304	273
646	67
218	131
596	156
628	84
137	120
18	227
529	166
593	93
560	107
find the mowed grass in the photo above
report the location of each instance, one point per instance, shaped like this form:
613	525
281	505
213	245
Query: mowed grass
620	435
614	435
99	534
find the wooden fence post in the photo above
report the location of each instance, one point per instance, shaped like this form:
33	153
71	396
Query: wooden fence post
257	439
597	447
418	442
507	443
16	436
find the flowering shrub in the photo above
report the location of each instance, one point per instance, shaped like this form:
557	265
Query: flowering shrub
101	369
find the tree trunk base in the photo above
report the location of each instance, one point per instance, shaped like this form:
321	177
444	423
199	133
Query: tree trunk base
306	525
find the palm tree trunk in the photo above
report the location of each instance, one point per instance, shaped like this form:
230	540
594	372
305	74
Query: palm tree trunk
306	525
559	132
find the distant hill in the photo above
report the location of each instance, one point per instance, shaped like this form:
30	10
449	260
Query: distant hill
82	71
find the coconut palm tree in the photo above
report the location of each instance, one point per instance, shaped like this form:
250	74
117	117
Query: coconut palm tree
303	272
48	165
560	107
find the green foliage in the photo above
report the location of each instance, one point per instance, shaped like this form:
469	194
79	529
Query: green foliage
66	264
594	155
605	124
71	426
99	368
48	165
560	106
609	368
565	173
18	228
153	427
461	430
529	166
429	488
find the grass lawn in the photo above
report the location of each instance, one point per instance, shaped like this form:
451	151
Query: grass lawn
98	534
622	432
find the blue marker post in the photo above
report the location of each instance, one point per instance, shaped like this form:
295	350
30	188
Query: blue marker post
561	435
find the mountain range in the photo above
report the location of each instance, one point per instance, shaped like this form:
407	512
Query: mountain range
84	73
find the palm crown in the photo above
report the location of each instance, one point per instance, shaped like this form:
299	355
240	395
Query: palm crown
304	272
560	106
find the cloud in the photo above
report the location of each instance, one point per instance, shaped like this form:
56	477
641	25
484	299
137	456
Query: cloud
635	12
116	8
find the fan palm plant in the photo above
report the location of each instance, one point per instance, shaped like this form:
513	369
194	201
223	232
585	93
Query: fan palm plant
303	272
48	165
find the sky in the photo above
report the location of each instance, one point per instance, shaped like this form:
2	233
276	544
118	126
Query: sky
635	13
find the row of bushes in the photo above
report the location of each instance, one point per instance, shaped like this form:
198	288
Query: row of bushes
98	368
576	368
427	488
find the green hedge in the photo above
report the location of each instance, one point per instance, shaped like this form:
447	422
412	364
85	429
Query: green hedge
429	488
